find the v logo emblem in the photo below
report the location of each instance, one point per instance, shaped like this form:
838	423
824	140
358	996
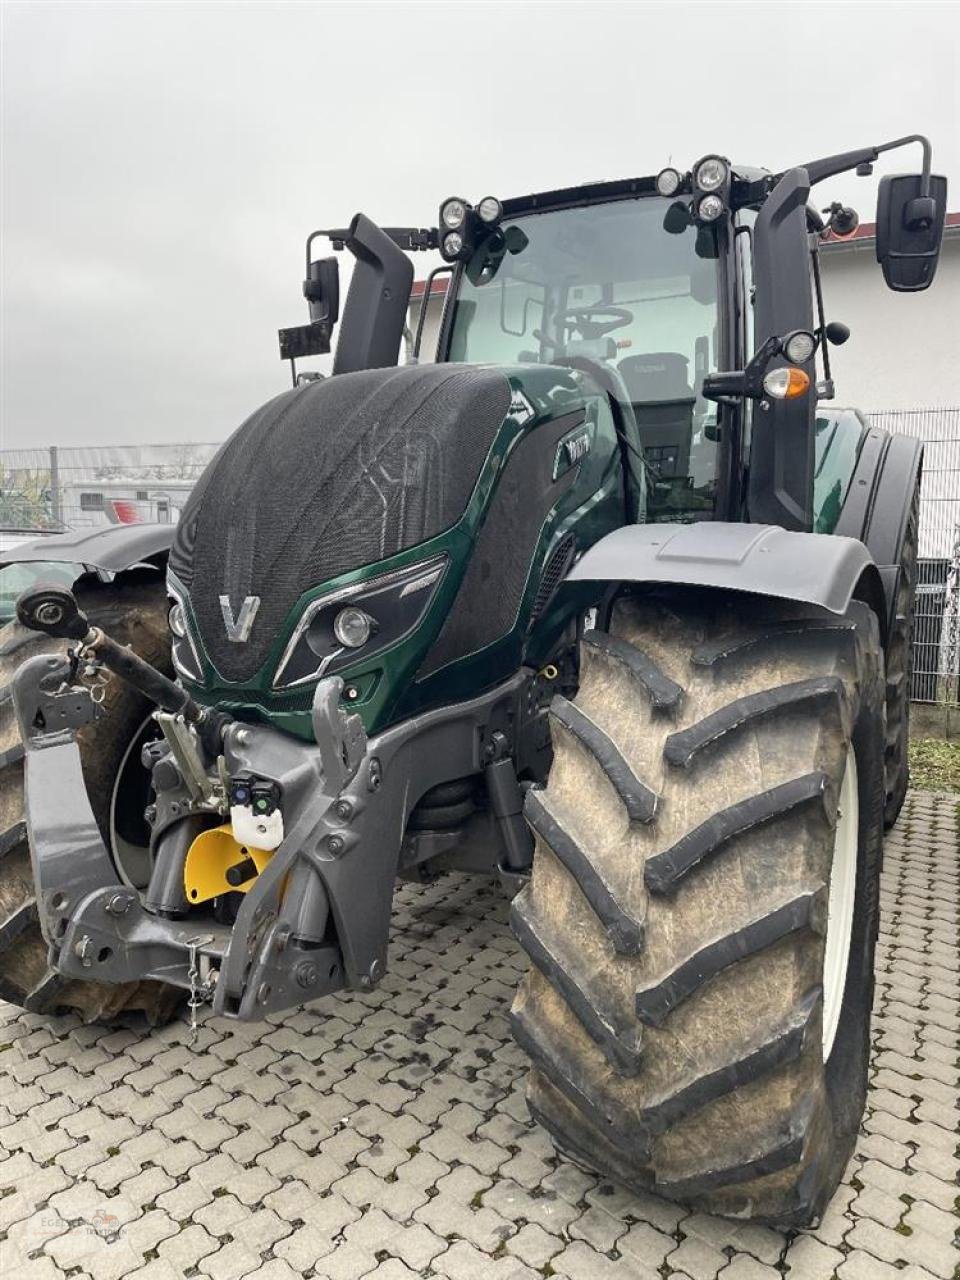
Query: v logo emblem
239	630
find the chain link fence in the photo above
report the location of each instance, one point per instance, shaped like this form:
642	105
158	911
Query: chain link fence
59	488
936	645
65	488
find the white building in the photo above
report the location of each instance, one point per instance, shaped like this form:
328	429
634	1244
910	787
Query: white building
904	348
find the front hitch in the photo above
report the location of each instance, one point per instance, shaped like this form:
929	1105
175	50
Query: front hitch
53	611
316	916
275	954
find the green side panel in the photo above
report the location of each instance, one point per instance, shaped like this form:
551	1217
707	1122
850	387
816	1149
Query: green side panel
838	437
384	686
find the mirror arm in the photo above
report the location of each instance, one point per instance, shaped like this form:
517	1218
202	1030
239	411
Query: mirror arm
830	166
821	318
412	239
927	156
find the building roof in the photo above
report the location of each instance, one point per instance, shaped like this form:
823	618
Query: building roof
438	287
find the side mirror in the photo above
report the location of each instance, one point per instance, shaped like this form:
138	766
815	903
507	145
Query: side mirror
909	230
322	290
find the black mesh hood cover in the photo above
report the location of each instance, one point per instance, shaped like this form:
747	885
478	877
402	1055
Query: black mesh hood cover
329	477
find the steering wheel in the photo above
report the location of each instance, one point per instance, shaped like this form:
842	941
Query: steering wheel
590	319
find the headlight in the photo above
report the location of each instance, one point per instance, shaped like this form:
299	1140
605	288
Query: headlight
710	208
183	649
358	622
453	214
711	173
668	182
799	346
177	621
352	627
490	210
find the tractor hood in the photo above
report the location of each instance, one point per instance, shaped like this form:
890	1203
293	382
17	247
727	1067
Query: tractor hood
329	477
368	490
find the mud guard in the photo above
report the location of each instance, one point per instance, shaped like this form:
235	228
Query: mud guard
111	549
811	568
877	506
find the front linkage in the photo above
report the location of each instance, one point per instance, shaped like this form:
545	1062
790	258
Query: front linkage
316	896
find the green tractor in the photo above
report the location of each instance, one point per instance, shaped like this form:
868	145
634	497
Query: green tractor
605	602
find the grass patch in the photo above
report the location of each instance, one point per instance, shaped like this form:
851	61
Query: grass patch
935	764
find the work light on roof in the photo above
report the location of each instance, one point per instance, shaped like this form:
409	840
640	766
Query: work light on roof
710	208
711	173
453	213
668	182
452	244
490	210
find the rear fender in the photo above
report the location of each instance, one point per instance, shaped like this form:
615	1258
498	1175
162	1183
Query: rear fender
810	568
877	506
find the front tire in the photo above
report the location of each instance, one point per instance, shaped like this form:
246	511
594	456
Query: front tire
134	615
678	909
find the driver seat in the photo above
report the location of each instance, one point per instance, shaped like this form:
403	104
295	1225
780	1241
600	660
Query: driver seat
663	403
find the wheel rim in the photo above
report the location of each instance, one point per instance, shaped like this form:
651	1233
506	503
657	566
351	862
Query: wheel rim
843	891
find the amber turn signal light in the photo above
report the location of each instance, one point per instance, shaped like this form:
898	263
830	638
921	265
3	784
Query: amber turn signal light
786	384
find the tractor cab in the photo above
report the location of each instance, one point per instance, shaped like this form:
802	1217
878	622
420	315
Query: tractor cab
628	292
652	287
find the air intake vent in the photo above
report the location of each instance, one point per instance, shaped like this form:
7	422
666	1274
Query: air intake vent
555	570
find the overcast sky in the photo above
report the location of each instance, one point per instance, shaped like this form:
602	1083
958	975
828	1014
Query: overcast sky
163	162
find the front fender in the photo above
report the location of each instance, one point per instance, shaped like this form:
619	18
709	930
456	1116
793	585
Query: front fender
111	548
812	568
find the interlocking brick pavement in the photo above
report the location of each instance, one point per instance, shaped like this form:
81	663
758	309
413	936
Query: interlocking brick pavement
385	1135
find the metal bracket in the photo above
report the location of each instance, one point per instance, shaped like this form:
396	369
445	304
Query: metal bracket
111	938
182	740
339	735
49	705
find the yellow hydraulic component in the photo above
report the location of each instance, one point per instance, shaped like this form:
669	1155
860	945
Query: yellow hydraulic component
216	864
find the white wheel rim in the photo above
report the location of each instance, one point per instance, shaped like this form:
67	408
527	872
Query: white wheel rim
843	892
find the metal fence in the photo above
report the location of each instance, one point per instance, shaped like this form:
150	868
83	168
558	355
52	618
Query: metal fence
47	489
60	488
936	645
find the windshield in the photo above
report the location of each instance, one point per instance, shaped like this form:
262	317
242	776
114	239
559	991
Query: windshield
628	291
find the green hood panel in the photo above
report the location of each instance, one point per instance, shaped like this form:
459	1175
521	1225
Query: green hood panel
552	480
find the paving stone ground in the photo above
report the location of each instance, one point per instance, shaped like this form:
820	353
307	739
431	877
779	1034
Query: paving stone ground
385	1135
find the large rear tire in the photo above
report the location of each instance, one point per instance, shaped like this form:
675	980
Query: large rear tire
677	916
134	615
899	675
